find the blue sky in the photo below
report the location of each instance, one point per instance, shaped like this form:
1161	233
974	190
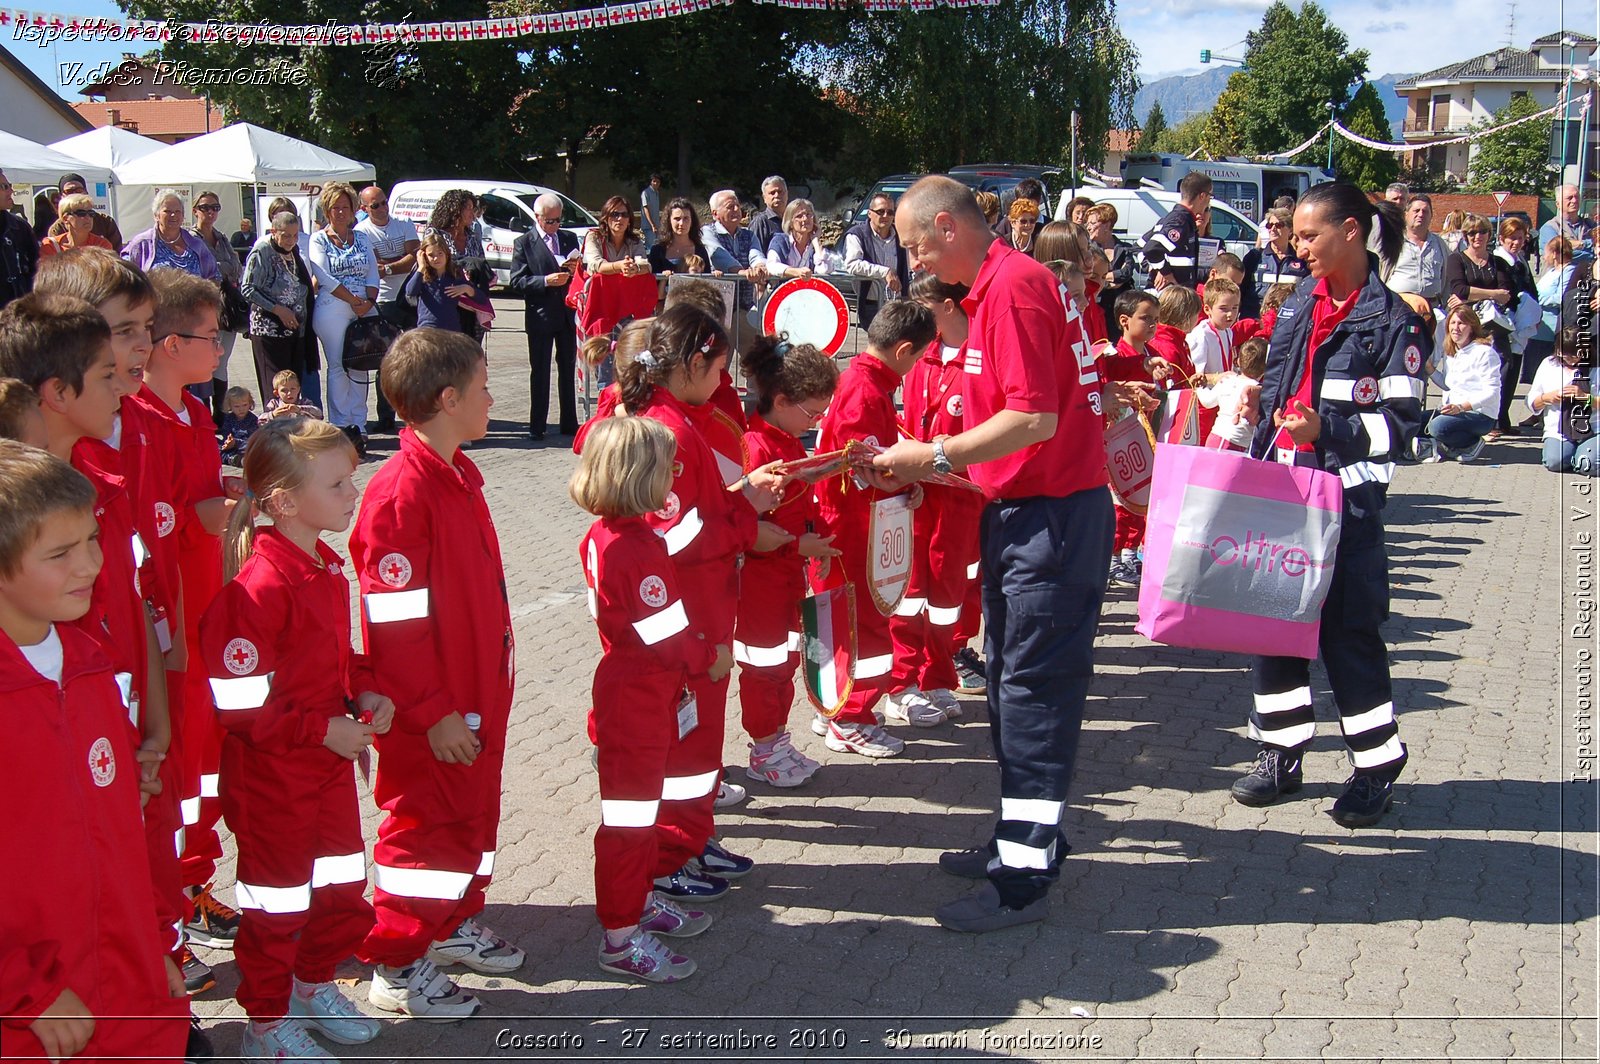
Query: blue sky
1403	37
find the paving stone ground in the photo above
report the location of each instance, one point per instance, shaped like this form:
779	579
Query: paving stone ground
1184	926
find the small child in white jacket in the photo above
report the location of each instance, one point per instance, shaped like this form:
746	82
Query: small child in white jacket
1224	393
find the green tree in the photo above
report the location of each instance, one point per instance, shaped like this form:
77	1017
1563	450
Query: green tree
1517	160
1365	167
1295	65
938	88
1187	136
1155	124
411	110
1224	129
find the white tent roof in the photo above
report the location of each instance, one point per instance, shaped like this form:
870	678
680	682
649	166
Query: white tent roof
108	146
242	153
27	163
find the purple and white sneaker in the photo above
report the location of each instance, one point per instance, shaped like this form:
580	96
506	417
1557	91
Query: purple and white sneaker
662	917
644	956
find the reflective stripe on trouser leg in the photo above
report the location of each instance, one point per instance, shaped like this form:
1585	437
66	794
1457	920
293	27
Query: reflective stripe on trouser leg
1281	714
1354	652
1043	562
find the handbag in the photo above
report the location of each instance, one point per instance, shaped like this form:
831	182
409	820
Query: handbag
235	316
366	341
1239	552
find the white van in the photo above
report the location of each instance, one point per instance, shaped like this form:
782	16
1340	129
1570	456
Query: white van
1247	186
507	213
1139	209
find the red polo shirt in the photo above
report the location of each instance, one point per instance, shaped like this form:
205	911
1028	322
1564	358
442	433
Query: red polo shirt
1026	351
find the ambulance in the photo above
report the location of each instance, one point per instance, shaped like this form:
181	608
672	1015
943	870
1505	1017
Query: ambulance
1248	187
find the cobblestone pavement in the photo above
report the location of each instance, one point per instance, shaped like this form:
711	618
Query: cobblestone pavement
1184	924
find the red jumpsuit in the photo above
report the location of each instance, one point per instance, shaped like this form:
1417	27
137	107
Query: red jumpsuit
862	409
944	573
436	625
197	471
650	653
75	904
705	528
767	638
276	646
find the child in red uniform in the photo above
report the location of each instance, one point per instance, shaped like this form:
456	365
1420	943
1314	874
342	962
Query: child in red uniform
945	533
436	625
82	972
705	526
863	409
275	644
1178	314
650	653
185	352
793	384
123	295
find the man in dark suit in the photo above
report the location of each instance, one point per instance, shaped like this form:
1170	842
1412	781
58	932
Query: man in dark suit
541	267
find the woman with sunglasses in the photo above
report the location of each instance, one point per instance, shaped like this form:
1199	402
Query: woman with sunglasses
207	208
77	214
616	245
1274	262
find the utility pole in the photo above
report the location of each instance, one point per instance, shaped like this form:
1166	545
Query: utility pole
1330	135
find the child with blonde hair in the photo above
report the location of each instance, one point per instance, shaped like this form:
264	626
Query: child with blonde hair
238	424
651	651
297	706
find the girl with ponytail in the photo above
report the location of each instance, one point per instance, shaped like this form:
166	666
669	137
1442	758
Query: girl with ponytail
297	706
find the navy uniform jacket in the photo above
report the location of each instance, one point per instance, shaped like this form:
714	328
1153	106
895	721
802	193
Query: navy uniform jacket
1367	385
1173	246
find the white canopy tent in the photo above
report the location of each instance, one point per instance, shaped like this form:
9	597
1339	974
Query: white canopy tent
27	165
239	155
111	147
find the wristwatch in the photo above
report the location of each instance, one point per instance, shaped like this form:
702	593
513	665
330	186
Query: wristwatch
941	462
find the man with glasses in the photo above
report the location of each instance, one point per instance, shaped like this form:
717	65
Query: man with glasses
19	251
394	243
541	267
875	257
104	226
1419	268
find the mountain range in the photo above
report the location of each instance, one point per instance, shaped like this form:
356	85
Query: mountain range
1185	95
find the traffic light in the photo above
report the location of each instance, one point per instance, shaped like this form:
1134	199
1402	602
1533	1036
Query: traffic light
1205	55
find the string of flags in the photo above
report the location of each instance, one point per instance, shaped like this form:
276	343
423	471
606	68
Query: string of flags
46	28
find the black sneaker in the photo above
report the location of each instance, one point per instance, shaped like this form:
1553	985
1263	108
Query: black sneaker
684	885
197	977
971	676
1364	801
720	862
1275	772
199	1048
214	924
968	864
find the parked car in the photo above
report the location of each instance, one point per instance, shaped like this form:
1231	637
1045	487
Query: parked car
893	186
1139	209
507	212
1001	178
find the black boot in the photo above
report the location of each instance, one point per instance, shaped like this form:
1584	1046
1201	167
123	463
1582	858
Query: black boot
219	391
1275	772
1365	799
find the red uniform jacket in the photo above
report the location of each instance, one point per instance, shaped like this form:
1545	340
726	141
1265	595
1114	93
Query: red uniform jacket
862	409
724	399
435	620
116	617
148	463
1172	344
75	907
276	644
779	574
702	522
635	601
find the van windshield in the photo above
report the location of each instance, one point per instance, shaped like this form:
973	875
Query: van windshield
572	215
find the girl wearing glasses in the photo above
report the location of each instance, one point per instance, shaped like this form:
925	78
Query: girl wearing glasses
77	214
1274	262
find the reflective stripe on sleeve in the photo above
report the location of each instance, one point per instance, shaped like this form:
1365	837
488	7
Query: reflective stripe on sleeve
1366	472
615	813
1377	427
684	532
1033	810
422	882
344	868
1338	391
385	607
1158	237
234	693
1178	260
1399	386
663	624
686	788
273	899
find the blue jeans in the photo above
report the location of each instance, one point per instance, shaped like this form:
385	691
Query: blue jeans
1564	456
1457	432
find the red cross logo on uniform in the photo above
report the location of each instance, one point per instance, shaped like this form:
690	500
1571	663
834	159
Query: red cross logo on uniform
240	656
1365	391
395	570
653	592
102	762
1413	359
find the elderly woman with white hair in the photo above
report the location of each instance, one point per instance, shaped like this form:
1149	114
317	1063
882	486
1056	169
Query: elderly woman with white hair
168	245
796	252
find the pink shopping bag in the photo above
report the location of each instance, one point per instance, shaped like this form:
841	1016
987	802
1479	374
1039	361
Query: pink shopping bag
1238	552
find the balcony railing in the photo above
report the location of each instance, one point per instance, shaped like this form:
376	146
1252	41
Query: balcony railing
1424	126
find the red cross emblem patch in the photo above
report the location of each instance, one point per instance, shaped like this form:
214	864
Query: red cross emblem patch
1365	391
653	592
102	762
1413	359
669	507
240	656
395	570
166	519
1174	234
953	405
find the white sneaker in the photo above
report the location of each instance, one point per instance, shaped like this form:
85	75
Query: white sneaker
945	701
285	1040
729	794
420	991
324	1006
819	724
869	740
478	948
781	766
911	707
